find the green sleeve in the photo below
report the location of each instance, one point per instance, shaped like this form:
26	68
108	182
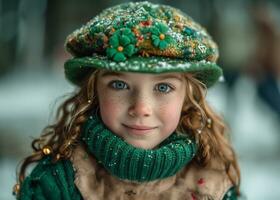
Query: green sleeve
231	194
50	181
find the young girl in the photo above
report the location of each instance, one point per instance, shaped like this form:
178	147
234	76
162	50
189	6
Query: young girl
139	126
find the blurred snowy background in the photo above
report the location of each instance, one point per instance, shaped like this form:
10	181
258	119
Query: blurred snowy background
32	35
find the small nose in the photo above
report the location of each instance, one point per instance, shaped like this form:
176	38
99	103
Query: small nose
140	108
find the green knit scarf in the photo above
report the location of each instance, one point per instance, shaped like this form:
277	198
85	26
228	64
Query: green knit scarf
135	164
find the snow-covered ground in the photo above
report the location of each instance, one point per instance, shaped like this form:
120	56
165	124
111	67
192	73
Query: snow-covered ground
26	101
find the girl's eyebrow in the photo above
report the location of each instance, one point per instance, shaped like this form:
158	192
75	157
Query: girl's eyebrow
169	76
111	73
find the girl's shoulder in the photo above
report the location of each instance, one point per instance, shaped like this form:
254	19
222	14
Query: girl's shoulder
50	180
208	181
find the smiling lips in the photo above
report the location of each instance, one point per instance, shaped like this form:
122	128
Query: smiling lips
139	130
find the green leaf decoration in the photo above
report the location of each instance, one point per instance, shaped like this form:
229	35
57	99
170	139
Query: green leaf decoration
160	37
121	45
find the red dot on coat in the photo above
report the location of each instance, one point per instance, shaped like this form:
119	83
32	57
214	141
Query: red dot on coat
200	181
193	196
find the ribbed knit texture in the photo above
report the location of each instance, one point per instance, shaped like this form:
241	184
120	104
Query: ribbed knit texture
128	162
50	181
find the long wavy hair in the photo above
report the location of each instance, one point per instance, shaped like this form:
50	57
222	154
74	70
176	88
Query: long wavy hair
197	119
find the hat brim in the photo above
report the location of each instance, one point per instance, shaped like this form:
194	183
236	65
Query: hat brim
76	69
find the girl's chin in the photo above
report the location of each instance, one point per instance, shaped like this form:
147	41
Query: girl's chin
141	144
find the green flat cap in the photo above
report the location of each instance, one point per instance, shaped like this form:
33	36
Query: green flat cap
142	37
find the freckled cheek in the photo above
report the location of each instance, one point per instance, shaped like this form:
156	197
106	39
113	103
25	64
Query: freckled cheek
170	114
111	108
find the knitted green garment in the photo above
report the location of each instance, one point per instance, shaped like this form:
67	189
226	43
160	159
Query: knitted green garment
50	181
55	181
135	164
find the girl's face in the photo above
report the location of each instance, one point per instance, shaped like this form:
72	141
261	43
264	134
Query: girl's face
143	109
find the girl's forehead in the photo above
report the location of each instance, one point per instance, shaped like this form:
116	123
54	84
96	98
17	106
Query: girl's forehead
108	73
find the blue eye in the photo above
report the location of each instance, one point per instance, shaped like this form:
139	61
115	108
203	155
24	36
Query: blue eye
163	88
118	85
